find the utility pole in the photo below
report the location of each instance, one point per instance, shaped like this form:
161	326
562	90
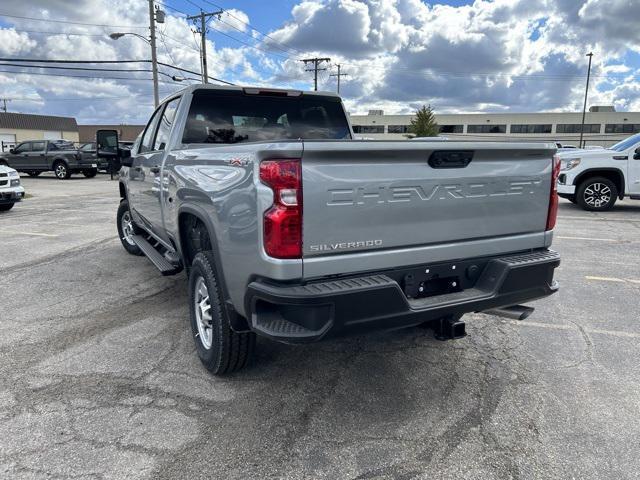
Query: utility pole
584	107
338	75
154	58
316	62
4	104
203	17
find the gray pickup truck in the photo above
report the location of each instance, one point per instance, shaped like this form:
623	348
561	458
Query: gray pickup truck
60	157
290	229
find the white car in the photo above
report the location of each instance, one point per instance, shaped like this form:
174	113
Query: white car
595	179
10	189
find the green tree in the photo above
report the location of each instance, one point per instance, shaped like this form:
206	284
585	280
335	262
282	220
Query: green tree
424	124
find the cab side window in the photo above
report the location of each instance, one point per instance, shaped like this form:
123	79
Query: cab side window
166	122
22	148
146	144
37	146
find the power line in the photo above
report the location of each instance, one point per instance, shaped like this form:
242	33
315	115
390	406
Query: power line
252	27
70	22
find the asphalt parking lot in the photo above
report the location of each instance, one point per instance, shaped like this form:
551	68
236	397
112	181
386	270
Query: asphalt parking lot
99	378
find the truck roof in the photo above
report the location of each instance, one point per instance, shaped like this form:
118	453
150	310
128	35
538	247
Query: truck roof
251	90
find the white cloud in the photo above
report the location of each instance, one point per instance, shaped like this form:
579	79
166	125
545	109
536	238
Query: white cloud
517	55
232	20
14	43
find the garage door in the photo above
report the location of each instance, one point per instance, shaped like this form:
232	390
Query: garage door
52	135
8	141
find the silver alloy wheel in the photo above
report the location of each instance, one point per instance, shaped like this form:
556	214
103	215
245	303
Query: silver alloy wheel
597	195
202	306
61	170
127	228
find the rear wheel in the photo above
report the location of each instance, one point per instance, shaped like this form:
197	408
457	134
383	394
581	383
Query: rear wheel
126	229
597	194
6	206
220	349
90	173
61	171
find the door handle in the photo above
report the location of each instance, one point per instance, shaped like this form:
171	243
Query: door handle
155	169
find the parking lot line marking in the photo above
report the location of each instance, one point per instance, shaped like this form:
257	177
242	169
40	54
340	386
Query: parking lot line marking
33	234
589	239
600	219
553	326
614	279
605	279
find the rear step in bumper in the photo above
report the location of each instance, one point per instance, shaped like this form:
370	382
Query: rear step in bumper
311	312
159	260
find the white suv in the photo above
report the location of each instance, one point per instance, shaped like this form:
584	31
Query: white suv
10	189
595	179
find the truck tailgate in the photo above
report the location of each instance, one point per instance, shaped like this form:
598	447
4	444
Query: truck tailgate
372	195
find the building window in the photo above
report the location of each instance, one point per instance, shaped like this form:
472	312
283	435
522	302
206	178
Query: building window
451	128
486	129
537	128
622	128
398	129
575	128
368	129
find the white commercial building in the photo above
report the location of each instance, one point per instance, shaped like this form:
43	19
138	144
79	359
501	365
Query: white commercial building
603	126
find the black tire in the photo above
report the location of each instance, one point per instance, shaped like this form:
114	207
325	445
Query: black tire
3	163
61	170
33	173
221	350
597	194
6	206
124	218
90	173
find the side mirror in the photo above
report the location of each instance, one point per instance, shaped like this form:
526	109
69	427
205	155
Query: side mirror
636	155
107	144
11	150
125	157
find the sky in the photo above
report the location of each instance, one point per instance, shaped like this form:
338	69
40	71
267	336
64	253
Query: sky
457	56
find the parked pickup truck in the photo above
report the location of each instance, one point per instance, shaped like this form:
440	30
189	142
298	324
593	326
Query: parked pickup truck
11	191
595	179
289	229
37	156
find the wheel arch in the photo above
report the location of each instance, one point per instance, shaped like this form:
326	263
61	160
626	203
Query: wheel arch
614	174
187	214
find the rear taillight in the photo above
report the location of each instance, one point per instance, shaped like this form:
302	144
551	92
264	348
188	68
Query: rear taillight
553	195
283	220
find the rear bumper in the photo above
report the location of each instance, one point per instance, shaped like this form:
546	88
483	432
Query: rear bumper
14	195
311	312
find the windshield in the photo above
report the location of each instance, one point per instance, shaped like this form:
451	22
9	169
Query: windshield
626	144
234	117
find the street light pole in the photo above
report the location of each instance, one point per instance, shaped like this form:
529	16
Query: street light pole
584	107
154	59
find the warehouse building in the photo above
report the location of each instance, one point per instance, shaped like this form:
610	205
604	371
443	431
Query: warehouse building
603	126
19	127
126	133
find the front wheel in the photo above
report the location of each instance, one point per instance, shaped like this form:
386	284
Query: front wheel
61	171
127	229
6	206
219	348
597	194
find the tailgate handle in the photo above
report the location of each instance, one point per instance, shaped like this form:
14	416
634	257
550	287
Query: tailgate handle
450	158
